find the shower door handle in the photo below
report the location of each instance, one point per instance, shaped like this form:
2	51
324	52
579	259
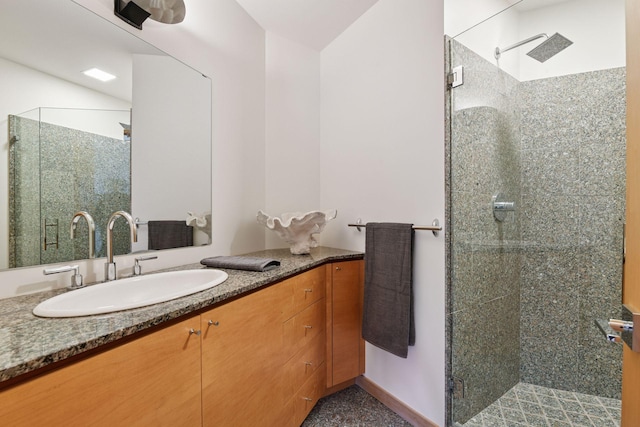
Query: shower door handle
609	333
625	327
621	325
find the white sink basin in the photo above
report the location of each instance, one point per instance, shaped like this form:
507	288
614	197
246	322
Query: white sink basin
129	293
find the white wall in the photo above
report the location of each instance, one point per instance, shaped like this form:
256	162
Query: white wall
382	159
292	130
596	28
224	43
105	122
152	186
461	15
24	89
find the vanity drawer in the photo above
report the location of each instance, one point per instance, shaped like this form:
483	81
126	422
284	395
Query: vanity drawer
308	288
304	327
304	364
307	397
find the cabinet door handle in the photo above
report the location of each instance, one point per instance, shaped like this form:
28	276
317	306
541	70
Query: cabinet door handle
338	268
308	290
308	326
308	363
211	322
194	331
308	399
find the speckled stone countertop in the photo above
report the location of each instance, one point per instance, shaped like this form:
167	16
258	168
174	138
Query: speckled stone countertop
28	342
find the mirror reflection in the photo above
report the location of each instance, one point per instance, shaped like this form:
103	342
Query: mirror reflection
140	142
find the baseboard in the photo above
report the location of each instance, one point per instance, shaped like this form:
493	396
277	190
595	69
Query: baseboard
394	404
339	387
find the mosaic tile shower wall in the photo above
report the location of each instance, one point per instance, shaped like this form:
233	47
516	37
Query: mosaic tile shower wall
526	290
57	171
573	198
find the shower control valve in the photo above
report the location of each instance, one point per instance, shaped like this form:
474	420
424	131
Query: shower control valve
500	207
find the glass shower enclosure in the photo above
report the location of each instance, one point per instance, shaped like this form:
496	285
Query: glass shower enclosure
62	161
536	154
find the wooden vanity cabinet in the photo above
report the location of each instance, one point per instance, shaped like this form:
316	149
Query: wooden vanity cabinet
150	381
345	346
242	359
263	359
304	345
260	351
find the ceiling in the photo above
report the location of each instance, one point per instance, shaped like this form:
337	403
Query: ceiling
28	26
314	23
527	5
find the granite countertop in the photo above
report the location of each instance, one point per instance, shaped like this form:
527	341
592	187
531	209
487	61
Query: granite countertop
28	342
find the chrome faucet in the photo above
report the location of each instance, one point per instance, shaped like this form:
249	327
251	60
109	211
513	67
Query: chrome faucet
137	268
110	266
92	230
76	278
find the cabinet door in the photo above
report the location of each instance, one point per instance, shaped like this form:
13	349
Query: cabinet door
152	381
243	359
345	345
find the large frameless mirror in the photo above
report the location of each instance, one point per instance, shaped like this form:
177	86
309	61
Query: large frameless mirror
140	142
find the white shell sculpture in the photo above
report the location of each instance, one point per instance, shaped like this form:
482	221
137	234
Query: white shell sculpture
297	229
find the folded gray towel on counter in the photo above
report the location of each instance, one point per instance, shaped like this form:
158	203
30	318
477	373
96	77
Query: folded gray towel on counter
388	288
241	263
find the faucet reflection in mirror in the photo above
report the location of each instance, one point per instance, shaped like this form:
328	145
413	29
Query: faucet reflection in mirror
110	266
92	230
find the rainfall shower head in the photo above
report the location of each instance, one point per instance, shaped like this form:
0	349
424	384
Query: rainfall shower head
549	47
544	50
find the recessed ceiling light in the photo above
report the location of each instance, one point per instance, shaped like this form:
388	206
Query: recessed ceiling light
103	76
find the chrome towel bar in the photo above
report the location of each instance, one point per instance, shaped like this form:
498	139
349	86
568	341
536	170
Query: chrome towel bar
435	226
138	222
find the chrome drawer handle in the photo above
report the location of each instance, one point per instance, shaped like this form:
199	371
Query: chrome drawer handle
308	399
211	322
193	331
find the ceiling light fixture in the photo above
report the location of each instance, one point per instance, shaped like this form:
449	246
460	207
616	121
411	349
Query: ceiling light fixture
98	74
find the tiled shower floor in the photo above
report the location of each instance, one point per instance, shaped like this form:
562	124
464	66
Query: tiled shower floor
530	405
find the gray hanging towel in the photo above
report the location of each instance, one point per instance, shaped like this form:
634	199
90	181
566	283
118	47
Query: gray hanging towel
169	234
388	292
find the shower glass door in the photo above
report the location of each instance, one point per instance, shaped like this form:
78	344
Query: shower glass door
537	170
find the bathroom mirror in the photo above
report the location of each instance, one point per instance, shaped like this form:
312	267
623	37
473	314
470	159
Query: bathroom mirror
140	142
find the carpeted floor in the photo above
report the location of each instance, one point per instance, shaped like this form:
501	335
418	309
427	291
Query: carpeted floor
352	407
